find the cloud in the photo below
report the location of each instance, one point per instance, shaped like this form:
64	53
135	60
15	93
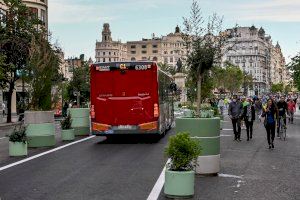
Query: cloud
68	11
269	10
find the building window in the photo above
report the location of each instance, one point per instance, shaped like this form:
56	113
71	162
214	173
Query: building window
154	46
144	58
103	59
171	59
144	46
132	59
144	52
133	52
165	52
104	53
154	51
154	58
109	53
114	53
166	60
132	46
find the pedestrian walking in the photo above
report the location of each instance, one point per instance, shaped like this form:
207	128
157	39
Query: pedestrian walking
291	110
249	117
258	108
235	112
3	109
270	113
221	106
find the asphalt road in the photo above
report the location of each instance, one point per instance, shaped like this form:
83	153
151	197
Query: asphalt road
128	169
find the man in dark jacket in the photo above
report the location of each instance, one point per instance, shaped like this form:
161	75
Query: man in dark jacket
235	112
283	109
249	117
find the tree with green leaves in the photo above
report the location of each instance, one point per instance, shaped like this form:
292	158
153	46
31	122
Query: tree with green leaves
279	87
15	39
294	66
167	68
247	82
80	84
204	42
234	78
42	72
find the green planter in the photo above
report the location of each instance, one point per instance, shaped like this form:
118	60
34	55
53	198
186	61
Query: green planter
40	129
179	184
80	120
17	149
207	130
68	135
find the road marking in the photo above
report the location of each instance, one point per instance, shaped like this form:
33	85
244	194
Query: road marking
44	153
227	129
230	176
1	138
158	185
226	135
196	137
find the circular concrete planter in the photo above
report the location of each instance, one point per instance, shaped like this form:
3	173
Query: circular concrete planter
17	149
67	135
179	184
207	130
40	129
80	120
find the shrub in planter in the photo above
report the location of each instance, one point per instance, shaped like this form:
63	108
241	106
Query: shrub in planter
179	175
67	133
18	142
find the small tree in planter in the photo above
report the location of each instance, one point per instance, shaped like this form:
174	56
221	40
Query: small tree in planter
179	175
67	133
18	142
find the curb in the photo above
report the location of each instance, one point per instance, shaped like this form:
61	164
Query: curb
9	124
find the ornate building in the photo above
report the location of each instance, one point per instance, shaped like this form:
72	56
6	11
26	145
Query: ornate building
252	50
173	48
108	50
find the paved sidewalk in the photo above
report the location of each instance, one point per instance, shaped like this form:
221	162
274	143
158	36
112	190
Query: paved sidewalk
14	120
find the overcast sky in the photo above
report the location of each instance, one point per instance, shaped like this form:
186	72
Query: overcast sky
77	24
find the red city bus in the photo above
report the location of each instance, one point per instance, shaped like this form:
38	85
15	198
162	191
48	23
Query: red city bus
130	98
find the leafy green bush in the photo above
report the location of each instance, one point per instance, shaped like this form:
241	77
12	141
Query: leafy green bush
66	122
18	134
183	152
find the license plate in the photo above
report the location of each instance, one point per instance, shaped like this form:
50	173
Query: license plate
125	127
109	131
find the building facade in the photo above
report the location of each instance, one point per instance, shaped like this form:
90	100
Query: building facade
108	50
252	50
166	49
173	48
39	8
146	49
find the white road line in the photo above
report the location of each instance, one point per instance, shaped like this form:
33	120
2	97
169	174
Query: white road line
44	153
227	129
1	138
158	185
230	176
226	135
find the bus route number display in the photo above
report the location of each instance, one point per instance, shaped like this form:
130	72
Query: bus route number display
142	67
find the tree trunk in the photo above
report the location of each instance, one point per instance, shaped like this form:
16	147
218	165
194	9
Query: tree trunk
10	93
198	95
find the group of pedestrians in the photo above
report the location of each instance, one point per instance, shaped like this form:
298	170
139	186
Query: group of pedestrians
269	108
